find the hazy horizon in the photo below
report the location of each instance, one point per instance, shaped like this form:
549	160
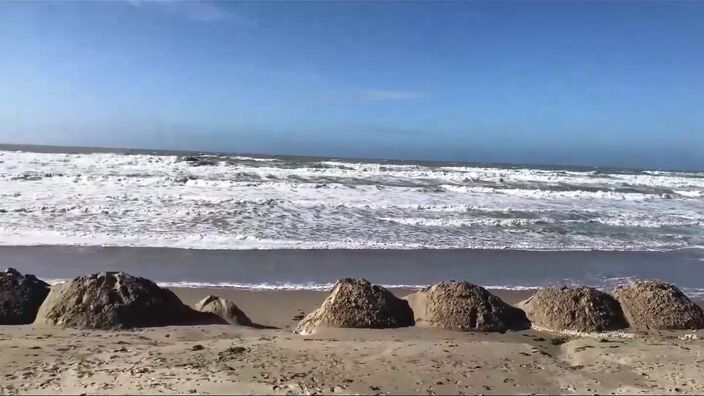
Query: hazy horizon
605	84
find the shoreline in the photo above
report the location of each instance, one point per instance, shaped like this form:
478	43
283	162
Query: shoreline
318	269
442	249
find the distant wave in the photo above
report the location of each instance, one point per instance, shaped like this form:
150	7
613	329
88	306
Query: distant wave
619	221
418	221
247	242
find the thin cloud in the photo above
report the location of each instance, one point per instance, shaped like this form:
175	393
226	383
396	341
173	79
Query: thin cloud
203	12
193	10
375	94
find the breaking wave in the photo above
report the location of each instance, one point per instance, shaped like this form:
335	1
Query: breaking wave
250	202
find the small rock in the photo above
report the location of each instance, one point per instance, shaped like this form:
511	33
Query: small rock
223	308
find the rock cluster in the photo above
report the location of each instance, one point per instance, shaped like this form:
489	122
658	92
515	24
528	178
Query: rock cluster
112	300
20	297
464	306
356	303
582	309
116	300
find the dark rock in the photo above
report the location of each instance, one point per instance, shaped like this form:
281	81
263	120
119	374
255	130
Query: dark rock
582	309
20	297
356	303
231	352
464	306
194	160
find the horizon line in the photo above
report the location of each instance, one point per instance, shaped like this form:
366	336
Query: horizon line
166	151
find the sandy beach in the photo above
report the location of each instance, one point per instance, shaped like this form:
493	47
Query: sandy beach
219	359
351	197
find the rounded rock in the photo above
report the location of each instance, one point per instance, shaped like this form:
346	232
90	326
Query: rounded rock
582	309
464	306
356	303
223	308
658	306
111	300
20	297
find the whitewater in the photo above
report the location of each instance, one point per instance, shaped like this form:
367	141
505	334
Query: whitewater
235	202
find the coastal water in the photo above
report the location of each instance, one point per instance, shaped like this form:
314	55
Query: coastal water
263	222
242	202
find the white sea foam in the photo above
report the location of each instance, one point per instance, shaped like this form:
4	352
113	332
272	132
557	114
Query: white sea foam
548	194
257	159
605	284
266	286
417	221
242	202
690	193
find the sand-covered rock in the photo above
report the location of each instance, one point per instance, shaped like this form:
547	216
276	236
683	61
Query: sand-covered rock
582	309
223	308
464	306
356	303
20	297
112	300
658	306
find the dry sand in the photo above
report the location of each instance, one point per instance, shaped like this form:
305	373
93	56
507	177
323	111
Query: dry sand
230	359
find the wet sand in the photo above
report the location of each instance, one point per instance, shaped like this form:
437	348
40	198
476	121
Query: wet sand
303	268
232	359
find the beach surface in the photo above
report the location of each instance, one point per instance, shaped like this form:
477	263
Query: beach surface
221	359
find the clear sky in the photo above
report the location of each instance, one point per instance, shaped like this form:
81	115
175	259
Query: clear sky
616	83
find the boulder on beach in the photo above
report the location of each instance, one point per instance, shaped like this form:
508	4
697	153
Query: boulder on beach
20	297
582	309
658	306
356	303
223	308
112	300
464	306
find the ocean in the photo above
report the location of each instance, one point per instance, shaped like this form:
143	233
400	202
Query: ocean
78	198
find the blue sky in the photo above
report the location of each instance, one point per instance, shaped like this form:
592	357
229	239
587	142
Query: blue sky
590	83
